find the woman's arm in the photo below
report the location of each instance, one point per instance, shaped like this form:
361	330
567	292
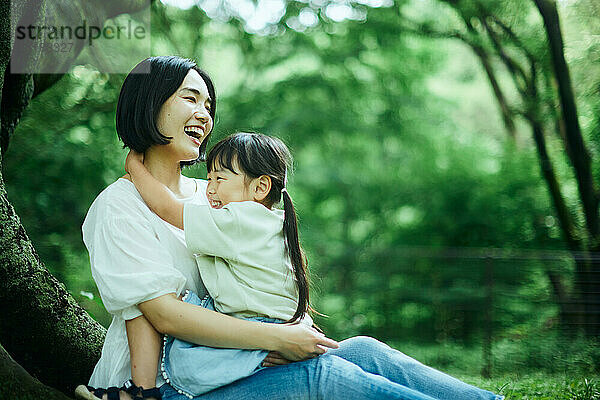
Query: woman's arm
156	195
198	325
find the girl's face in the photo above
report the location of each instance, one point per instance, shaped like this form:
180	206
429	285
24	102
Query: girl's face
225	186
185	117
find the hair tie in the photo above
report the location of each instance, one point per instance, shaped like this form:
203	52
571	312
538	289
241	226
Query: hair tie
283	190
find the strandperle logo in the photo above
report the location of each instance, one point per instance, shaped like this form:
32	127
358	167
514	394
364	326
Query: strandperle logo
80	32
111	37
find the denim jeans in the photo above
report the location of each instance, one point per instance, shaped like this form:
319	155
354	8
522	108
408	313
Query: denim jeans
361	368
192	369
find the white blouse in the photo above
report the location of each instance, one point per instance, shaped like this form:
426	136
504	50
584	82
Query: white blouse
135	256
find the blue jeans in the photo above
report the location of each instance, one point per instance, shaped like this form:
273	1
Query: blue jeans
361	368
194	370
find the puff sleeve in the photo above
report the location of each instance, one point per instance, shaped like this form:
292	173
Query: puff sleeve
129	264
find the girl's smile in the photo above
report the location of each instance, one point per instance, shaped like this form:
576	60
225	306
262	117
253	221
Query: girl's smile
225	186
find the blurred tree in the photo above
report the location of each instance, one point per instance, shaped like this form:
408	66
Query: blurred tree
534	59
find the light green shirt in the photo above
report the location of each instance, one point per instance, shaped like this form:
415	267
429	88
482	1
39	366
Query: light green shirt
250	274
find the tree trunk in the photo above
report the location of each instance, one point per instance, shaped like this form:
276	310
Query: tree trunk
16	383
47	333
577	151
581	162
42	326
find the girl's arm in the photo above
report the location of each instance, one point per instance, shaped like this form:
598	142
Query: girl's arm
198	325
156	195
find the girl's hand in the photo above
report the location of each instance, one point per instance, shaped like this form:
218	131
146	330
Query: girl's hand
133	157
274	359
299	342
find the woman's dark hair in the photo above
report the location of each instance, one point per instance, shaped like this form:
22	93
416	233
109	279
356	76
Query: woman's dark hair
256	155
143	94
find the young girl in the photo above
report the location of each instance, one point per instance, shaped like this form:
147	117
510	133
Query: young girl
259	269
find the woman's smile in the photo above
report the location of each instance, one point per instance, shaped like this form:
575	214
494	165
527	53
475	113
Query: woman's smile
196	133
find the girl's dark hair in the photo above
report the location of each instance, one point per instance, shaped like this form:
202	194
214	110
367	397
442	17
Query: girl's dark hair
144	91
256	155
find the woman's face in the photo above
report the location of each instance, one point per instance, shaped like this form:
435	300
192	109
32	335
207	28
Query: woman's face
185	117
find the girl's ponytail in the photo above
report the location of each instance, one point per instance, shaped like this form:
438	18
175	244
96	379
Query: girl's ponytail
296	254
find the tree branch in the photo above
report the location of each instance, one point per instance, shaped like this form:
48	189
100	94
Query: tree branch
505	110
521	79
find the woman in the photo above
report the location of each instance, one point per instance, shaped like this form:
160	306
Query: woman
140	263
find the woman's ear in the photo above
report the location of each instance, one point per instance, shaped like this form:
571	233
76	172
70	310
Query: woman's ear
261	187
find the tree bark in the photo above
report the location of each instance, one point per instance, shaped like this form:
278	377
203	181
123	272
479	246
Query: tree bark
16	90
16	383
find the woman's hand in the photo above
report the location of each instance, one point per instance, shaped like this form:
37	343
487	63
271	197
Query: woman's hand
299	342
133	158
274	359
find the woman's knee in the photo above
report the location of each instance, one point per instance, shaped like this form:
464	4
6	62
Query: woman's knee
364	344
368	353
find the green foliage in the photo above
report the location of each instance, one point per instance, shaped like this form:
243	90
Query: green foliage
526	355
452	358
375	173
548	351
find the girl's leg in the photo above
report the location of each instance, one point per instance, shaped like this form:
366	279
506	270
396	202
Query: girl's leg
144	350
378	358
323	378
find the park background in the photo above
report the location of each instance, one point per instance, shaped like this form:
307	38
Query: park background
418	128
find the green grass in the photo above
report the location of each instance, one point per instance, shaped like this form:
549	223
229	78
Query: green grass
540	369
540	387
